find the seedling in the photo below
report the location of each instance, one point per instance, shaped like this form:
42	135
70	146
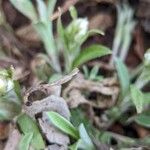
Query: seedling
93	74
83	141
70	37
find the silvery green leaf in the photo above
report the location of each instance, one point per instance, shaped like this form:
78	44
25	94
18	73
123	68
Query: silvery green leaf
87	142
50	7
8	110
137	98
42	10
25	141
73	12
123	76
94	72
76	145
143	119
63	124
27	125
26	7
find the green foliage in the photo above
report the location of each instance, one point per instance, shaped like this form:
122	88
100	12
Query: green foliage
27	125
63	124
90	53
71	37
83	140
10	96
137	98
93	74
123	77
143	119
25	141
25	7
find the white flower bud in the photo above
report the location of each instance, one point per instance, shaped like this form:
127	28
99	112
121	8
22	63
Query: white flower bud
78	28
147	58
6	83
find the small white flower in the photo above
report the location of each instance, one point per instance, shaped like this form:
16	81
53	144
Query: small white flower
82	24
78	28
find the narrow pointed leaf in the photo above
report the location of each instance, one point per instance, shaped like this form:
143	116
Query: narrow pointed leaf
63	124
25	141
90	53
27	125
123	76
26	7
137	98
85	138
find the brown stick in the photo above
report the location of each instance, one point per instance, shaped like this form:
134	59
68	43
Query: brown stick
64	8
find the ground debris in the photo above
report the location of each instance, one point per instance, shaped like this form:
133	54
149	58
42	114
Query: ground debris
13	140
106	92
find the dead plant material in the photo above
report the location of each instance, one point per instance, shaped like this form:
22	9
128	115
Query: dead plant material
44	98
13	140
10	43
101	21
105	1
55	147
64	8
139	43
51	103
143	12
104	93
4	130
28	34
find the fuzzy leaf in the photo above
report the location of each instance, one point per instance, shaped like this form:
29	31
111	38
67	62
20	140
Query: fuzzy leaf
123	76
143	119
76	145
137	98
90	53
8	110
51	6
85	138
63	124
27	125
25	141
42	10
26	7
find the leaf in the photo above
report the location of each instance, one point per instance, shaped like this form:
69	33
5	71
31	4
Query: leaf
90	33
85	138
27	125
94	72
25	141
25	7
143	119
73	12
85	71
90	53
51	6
55	77
42	10
123	76
146	98
76	145
137	98
63	124
8	110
